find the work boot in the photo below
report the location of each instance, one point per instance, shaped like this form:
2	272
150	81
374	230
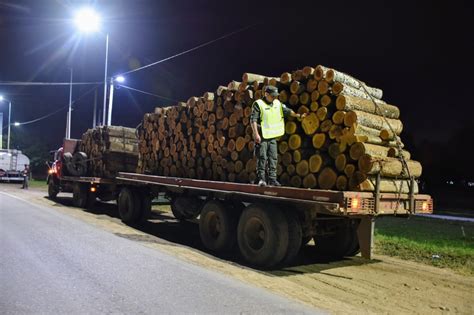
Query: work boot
262	183
274	183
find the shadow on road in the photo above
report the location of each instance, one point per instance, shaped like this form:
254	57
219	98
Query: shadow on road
163	228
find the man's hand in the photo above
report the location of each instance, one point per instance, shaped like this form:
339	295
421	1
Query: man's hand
257	138
301	116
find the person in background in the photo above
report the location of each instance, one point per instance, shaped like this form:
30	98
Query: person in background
26	175
270	113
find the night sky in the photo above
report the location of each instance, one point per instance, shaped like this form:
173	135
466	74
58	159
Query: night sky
419	52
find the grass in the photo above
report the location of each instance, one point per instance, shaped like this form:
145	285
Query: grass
440	243
35	183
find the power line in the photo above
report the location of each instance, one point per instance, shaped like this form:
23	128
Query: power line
56	111
148	93
190	50
47	83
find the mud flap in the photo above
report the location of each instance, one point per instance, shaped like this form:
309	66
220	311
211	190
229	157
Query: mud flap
365	233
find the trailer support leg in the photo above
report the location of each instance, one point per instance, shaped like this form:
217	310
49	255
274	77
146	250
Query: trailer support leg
365	233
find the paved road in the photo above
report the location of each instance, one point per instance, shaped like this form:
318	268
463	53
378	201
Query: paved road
446	217
53	263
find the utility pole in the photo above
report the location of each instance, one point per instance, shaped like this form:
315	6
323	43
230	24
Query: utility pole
68	132
94	117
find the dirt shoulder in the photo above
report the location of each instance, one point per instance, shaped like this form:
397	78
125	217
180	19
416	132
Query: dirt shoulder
384	285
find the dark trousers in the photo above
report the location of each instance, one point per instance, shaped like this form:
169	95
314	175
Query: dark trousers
267	153
25	182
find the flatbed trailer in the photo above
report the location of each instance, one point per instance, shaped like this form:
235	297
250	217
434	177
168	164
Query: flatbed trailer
269	224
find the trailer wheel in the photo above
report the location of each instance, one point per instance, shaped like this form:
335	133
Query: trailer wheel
262	235
52	189
128	205
354	248
295	236
91	199
185	208
342	243
79	195
145	205
218	226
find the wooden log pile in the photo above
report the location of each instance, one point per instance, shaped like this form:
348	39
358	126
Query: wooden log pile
109	150
343	142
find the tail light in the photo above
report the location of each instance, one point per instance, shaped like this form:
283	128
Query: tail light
424	206
355	203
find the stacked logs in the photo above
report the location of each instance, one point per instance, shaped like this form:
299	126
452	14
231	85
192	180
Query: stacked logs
109	150
342	143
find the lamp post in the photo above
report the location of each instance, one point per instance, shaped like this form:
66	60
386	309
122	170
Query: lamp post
68	133
88	21
118	79
9	117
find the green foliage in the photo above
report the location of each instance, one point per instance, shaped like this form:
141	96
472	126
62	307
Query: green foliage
32	146
435	242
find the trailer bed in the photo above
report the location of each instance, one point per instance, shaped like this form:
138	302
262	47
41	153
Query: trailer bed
346	203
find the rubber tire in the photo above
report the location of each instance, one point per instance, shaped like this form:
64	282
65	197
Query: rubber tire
79	195
338	245
91	199
128	203
227	220
77	165
52	190
354	249
185	208
275	241
295	237
145	205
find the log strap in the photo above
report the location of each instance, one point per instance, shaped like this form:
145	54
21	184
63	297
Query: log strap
405	169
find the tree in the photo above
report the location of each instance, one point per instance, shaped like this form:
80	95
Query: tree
33	147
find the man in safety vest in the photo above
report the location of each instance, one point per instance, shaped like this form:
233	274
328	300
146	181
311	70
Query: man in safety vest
270	113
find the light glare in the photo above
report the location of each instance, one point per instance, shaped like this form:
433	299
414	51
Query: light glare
87	20
120	79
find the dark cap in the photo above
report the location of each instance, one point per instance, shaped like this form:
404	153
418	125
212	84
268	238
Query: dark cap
270	89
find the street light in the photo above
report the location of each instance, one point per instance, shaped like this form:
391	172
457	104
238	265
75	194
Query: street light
9	117
119	79
16	124
88	21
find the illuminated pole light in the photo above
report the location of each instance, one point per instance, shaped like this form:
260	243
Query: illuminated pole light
16	124
119	79
88	21
9	118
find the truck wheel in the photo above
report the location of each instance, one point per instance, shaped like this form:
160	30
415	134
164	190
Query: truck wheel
145	210
262	235
354	248
91	199
295	236
128	205
340	244
52	190
79	195
185	208
218	226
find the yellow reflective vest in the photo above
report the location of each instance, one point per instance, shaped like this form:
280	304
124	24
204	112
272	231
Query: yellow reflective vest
271	119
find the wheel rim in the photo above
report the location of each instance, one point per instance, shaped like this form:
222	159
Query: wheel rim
254	233
214	225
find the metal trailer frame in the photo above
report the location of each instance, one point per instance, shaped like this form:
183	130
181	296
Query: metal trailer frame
327	203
